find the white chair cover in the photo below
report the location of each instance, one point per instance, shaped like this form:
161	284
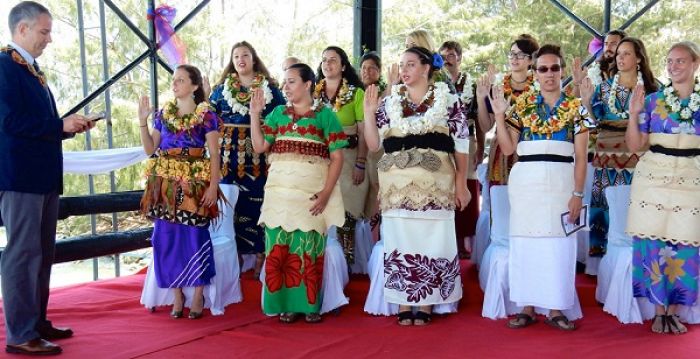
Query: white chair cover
225	287
363	246
483	223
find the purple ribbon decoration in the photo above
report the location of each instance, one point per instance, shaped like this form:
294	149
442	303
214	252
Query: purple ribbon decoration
174	50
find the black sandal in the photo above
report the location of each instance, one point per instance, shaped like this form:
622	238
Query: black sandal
664	324
289	318
405	318
561	322
673	322
523	320
425	317
313	318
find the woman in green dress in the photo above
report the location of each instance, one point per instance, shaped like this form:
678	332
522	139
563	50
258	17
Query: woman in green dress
302	140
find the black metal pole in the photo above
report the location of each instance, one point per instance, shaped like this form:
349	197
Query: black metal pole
577	19
639	13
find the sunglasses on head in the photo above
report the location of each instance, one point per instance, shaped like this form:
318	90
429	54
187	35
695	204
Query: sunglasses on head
545	69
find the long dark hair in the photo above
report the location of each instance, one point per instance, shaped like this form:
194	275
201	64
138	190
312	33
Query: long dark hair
196	78
306	74
641	53
425	57
258	65
527	44
349	72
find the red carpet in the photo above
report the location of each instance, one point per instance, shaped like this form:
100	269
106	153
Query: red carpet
110	323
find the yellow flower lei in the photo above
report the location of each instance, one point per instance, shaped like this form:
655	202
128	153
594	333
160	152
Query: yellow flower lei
345	93
526	108
177	124
234	85
20	60
179	169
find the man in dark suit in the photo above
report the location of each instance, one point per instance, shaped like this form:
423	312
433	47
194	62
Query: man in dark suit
31	179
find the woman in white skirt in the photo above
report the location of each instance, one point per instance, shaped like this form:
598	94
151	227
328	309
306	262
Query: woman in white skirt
422	179
549	129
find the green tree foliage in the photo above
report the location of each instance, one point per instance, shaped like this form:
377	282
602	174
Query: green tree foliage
281	28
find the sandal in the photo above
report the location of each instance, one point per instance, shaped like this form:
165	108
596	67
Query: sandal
521	320
313	318
664	324
406	318
289	318
561	322
674	325
423	317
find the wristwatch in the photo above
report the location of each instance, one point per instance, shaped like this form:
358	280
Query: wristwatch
577	194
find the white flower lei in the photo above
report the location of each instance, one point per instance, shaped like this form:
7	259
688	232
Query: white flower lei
467	91
672	101
594	73
612	96
237	107
436	115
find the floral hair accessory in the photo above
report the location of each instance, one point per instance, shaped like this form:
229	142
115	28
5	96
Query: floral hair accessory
438	62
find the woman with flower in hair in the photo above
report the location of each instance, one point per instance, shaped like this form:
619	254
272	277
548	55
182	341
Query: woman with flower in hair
422	180
549	129
341	90
241	166
664	213
608	102
182	187
302	197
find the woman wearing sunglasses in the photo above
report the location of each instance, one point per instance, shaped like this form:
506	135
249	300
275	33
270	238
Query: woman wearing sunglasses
549	130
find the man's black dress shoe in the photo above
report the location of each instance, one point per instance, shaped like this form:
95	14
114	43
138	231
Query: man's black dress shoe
53	333
36	346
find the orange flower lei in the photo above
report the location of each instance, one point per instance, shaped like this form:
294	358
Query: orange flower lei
508	89
526	108
20	60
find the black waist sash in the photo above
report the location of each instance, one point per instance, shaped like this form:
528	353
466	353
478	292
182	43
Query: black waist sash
678	152
436	141
545	158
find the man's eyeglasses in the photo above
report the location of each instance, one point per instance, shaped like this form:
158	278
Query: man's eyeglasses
518	55
545	69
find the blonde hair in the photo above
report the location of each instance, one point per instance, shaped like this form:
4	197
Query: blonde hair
689	46
421	38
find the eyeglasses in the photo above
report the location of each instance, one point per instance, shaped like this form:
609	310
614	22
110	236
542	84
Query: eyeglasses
545	69
518	55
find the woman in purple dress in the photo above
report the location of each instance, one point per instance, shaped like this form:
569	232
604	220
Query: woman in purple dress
664	213
182	187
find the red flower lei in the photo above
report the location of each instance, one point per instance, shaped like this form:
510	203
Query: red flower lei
422	107
508	89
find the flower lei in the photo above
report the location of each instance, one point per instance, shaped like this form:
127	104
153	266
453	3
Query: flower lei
594	73
612	97
673	103
343	96
381	85
464	87
311	113
239	99
20	60
418	122
177	124
527	106
508	89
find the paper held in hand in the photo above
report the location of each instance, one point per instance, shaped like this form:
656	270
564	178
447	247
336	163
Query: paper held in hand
579	224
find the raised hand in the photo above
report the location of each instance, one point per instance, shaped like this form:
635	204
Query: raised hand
145	109
491	72
483	85
392	74
499	104
587	90
578	73
206	86
257	102
371	101
637	99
